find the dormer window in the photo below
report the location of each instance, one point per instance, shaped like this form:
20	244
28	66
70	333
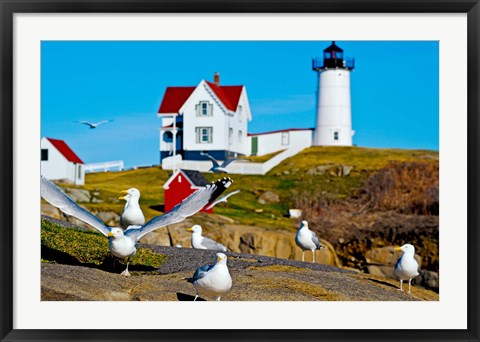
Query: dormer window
204	108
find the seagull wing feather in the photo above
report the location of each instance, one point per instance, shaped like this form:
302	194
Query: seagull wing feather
56	197
214	161
227	162
211	244
315	240
222	199
189	206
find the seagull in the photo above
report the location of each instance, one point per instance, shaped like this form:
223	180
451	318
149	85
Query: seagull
222	199
307	240
132	214
406	267
212	281
201	242
216	167
94	125
122	244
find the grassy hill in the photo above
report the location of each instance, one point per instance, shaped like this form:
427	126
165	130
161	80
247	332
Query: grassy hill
285	180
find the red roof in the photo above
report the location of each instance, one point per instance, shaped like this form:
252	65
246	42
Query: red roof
67	152
175	97
229	95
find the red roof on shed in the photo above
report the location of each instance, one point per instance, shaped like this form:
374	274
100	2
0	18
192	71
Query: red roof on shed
64	149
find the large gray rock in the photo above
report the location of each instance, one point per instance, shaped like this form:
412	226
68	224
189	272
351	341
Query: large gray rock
78	195
268	197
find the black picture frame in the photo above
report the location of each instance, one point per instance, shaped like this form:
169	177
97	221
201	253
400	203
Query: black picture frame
10	7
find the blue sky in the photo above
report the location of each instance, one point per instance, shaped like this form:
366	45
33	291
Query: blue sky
395	99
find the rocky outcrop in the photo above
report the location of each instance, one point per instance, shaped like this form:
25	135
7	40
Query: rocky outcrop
255	278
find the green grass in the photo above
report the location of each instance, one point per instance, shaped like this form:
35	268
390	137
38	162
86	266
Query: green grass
87	247
285	179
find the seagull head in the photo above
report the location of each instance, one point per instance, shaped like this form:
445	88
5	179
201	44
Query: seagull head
130	193
195	229
304	224
221	259
406	249
115	233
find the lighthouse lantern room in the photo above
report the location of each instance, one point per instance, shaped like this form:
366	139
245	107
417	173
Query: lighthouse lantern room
334	114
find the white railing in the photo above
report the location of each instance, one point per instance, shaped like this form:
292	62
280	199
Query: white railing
239	167
116	165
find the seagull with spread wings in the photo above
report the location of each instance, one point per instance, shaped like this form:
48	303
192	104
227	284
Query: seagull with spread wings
94	124
216	167
122	244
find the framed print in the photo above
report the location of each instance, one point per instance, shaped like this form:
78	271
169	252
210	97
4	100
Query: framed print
306	146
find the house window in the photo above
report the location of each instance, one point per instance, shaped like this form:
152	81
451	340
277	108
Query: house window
285	138
44	154
204	135
240	113
239	136
335	135
230	136
204	109
79	172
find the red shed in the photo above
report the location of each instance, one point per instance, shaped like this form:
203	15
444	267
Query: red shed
181	184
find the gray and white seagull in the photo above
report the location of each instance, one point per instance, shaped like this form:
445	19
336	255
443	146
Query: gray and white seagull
122	244
216	167
307	240
202	242
94	124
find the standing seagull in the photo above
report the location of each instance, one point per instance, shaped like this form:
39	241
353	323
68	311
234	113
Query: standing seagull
212	281
406	267
122	244
307	240
132	214
222	199
201	242
94	125
216	167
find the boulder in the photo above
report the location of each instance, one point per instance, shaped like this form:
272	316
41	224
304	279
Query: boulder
268	197
110	218
78	195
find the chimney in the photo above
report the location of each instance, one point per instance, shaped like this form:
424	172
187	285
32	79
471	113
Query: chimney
216	78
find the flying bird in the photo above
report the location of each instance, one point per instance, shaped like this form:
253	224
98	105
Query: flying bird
201	242
212	281
132	213
122	244
307	240
406	267
222	199
94	125
216	167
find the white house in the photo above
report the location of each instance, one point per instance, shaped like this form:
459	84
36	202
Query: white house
214	118
209	117
58	161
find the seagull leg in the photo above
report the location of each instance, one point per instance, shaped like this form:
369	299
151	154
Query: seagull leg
409	285
313	255
401	285
303	255
218	299
126	273
194	299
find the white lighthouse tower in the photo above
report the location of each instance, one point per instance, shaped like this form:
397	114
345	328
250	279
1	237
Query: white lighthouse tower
334	113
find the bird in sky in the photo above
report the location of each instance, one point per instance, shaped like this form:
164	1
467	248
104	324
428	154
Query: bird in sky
201	242
217	167
406	267
122	244
93	125
212	281
307	240
222	199
132	213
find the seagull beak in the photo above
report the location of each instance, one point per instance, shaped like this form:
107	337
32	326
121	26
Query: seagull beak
190	229
398	248
124	192
122	197
110	234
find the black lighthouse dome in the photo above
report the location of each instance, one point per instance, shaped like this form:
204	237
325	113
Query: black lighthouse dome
333	58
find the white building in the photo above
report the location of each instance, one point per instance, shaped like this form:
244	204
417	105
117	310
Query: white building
334	113
214	118
58	161
208	117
